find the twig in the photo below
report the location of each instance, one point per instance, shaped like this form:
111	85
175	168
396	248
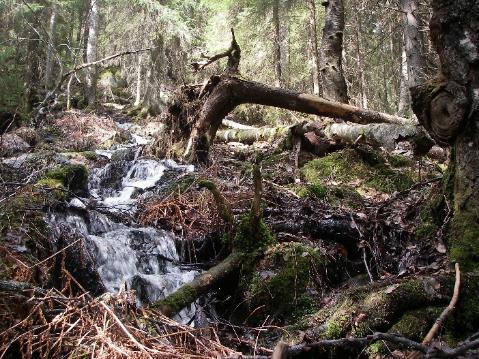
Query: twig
123	328
452	305
440	321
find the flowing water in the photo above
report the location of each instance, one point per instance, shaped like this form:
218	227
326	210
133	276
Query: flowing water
128	256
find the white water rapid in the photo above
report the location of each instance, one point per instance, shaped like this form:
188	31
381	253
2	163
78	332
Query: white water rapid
128	256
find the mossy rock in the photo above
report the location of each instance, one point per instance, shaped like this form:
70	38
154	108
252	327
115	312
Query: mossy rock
87	155
285	282
72	177
368	168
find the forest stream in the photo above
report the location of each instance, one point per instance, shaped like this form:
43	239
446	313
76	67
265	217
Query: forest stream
250	179
126	255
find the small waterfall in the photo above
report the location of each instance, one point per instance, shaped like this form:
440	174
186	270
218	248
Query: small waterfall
127	256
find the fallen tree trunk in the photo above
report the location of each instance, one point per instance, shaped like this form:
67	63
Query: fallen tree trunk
188	293
377	135
198	112
227	92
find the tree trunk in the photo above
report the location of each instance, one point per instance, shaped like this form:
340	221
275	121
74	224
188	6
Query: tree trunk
51	37
188	293
416	63
359	61
331	67
91	52
227	92
32	77
449	109
313	47
138	82
333	134
404	106
277	45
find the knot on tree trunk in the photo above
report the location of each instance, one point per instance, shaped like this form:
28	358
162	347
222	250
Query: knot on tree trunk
441	108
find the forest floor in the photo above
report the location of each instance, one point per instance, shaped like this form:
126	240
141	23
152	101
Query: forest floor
351	231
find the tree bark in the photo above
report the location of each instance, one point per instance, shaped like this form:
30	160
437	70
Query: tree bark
138	81
188	293
377	135
227	92
277	45
404	106
313	47
32	78
51	36
416	63
91	51
359	61
449	109
331	67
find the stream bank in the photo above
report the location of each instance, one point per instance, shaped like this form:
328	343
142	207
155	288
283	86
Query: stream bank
145	224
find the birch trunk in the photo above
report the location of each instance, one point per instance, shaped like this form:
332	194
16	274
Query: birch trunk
331	67
91	52
313	47
51	36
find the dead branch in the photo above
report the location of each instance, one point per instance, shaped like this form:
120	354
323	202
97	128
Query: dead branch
442	318
233	54
452	305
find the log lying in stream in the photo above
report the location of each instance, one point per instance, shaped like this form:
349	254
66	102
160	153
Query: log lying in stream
188	293
378	135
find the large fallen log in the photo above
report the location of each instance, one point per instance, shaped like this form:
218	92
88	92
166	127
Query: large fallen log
200	110
378	135
227	92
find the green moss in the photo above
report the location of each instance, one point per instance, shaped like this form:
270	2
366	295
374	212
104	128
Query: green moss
90	155
284	281
252	240
338	323
176	301
339	195
72	177
318	190
22	218
351	165
399	161
464	242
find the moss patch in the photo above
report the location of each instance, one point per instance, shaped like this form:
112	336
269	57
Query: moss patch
285	281
341	195
71	177
252	240
175	302
350	165
464	242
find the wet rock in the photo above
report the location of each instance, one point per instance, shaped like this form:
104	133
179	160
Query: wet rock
71	176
